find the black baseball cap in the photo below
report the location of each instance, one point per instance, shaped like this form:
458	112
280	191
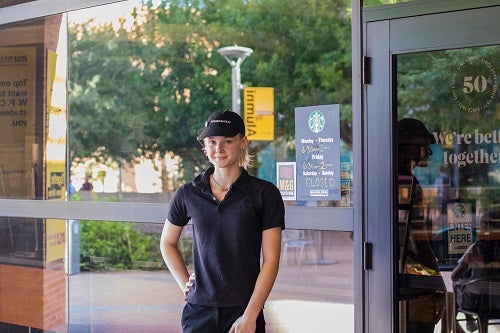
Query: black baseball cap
413	131
222	123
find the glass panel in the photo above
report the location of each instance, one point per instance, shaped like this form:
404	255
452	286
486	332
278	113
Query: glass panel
370	3
124	284
146	59
315	288
32	274
121	283
150	83
33	166
448	136
33	109
127	103
22	240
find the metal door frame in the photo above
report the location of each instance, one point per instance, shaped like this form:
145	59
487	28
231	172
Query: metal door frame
385	37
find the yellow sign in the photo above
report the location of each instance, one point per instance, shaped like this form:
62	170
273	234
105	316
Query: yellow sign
18	149
55	159
55	147
55	242
259	113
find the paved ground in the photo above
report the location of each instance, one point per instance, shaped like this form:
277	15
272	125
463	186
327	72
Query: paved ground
152	303
306	298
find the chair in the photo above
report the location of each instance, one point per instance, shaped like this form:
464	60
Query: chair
486	295
294	240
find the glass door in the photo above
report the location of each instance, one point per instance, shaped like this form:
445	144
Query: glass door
434	95
448	185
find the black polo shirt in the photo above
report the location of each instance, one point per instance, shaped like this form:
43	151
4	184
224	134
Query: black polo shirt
227	235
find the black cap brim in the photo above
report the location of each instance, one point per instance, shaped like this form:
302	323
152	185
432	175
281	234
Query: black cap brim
215	130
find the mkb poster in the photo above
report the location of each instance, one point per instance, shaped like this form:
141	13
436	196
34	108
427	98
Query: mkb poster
317	144
285	179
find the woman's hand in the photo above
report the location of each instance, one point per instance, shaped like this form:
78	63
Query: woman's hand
189	284
243	325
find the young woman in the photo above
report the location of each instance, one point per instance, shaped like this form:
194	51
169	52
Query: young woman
237	221
424	309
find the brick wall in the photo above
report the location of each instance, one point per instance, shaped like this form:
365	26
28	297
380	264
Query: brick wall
32	297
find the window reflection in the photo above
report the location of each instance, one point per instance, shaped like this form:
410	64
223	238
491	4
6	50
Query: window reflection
165	72
98	255
32	255
371	3
32	92
102	298
32	166
456	170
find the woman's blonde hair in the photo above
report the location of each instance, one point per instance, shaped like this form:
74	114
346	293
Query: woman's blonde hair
246	158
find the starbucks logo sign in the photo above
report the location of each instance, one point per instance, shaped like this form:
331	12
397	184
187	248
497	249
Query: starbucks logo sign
459	212
316	121
474	84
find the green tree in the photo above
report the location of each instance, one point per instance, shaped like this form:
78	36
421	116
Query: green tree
425	88
430	87
140	91
148	88
301	48
105	94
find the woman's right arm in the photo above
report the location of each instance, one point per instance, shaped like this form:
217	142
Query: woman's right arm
172	256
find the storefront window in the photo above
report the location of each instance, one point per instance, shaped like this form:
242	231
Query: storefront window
370	3
33	110
150	76
104	104
448	135
143	82
33	144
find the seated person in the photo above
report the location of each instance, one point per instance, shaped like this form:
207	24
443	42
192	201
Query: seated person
480	261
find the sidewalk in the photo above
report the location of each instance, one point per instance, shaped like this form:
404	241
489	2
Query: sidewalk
309	298
135	301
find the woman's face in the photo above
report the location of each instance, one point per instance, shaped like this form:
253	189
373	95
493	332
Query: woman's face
223	151
418	153
425	153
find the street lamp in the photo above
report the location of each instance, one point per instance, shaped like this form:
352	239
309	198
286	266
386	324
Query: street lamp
235	56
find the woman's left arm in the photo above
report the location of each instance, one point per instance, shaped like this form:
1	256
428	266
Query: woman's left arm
271	252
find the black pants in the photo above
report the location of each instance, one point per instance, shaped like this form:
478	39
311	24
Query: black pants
416	327
207	319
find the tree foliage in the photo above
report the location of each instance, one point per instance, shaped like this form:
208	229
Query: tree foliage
435	87
148	88
426	92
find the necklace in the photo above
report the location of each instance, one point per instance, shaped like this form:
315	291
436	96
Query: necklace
223	188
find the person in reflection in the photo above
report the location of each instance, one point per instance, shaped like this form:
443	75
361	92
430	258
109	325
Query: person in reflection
480	261
71	189
445	190
424	309
87	186
236	218
444	186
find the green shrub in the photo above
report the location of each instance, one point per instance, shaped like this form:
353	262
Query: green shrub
118	245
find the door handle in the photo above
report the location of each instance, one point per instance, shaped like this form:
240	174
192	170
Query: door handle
367	255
